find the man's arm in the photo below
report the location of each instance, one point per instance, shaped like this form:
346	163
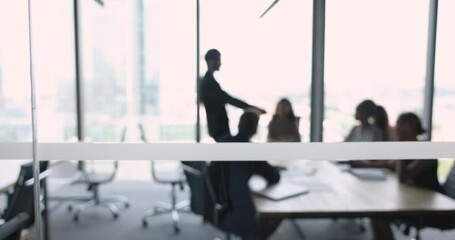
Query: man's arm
233	101
241	104
212	92
267	171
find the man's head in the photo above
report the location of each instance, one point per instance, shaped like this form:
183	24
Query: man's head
213	59
248	124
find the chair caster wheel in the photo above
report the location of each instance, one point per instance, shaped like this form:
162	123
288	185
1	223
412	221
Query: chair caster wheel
176	229
407	230
115	216
144	223
76	218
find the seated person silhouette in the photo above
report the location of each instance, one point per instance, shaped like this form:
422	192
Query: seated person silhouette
420	173
381	121
284	125
230	182
366	131
215	99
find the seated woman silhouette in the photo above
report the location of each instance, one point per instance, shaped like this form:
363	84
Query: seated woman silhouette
381	122
366	131
284	126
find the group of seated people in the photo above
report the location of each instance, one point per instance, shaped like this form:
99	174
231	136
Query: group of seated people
374	125
241	218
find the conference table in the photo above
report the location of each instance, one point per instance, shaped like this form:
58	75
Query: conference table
336	193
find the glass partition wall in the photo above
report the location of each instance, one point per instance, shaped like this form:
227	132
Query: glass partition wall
139	66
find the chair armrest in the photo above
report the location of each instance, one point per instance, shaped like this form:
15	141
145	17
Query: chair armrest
42	176
13	225
191	170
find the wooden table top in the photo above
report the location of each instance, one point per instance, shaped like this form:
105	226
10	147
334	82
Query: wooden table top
345	195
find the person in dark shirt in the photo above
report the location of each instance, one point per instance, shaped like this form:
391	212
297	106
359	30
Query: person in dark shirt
420	173
215	99
230	181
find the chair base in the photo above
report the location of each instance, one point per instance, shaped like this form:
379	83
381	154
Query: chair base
162	208
107	203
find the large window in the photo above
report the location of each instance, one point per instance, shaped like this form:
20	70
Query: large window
444	91
54	69
107	51
444	94
172	48
53	57
139	67
15	115
263	59
374	50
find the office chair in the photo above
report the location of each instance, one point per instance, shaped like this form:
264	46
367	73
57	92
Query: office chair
203	199
21	200
175	179
94	177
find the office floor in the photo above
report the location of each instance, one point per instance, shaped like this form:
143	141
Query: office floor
98	223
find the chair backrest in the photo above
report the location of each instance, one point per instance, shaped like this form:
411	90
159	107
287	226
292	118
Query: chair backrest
168	171
21	200
194	172
93	169
449	184
203	198
138	134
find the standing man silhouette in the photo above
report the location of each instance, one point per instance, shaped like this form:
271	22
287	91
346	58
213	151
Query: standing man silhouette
215	99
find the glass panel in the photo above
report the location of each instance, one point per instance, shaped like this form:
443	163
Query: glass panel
139	67
374	50
444	94
105	31
171	70
263	59
54	70
15	112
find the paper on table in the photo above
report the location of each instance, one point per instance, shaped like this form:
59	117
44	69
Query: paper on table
369	173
